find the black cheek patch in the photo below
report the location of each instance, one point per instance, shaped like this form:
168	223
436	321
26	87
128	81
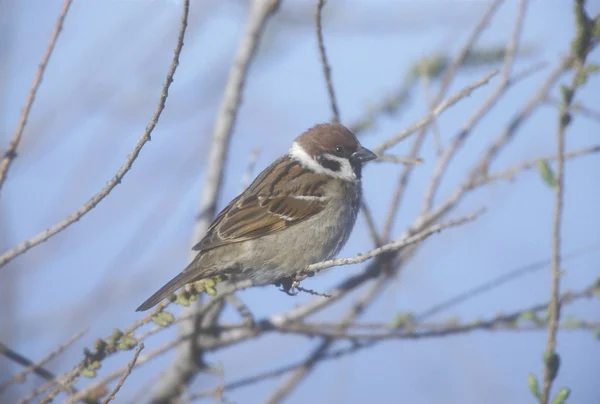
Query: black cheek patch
329	164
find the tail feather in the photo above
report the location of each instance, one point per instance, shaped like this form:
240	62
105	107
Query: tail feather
180	280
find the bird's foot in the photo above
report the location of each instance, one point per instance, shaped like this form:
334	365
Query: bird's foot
288	286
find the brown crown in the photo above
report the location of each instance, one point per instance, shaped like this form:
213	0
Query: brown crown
325	136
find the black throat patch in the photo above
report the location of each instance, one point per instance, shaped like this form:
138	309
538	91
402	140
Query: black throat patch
336	166
332	165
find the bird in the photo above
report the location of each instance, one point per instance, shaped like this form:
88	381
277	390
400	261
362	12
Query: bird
298	211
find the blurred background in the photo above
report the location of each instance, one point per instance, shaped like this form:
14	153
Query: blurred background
101	88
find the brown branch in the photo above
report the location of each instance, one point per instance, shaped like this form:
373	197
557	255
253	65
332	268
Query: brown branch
239	333
325	64
393	246
510	173
426	86
580	48
497	282
441	107
420	125
126	374
460	138
36	368
74	374
188	358
116	180
389	158
293	315
480	169
498	323
370	221
449	75
577	108
11	152
305	368
421	331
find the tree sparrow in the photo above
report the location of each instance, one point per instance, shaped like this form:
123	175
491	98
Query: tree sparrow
299	211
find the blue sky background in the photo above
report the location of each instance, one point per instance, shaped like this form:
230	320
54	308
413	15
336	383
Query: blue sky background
99	92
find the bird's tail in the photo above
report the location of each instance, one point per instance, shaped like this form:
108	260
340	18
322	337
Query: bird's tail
180	280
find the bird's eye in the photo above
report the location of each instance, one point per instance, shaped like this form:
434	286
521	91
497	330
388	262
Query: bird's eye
339	150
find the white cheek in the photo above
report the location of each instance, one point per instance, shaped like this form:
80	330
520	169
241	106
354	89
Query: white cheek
346	172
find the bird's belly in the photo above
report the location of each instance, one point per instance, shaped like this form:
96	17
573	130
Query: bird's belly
277	256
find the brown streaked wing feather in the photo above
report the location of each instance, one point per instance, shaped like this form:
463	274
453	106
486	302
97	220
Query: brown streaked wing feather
268	205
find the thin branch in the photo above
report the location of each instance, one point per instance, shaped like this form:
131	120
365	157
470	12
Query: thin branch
580	48
394	246
510	173
37	368
426	86
497	282
188	358
244	331
309	363
577	108
447	78
460	138
74	374
500	322
113	182
480	168
241	308
370	221
421	126
11	152
441	107
421	331
390	104
390	158
126	374
325	64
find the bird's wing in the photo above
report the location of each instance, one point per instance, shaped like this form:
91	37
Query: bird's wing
283	195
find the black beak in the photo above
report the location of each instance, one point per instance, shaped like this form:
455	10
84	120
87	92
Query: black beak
362	155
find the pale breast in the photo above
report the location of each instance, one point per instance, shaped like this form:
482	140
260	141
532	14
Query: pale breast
320	238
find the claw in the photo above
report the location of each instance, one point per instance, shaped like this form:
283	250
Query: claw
288	286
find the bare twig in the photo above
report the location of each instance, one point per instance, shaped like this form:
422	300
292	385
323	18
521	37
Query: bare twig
496	282
389	158
580	48
390	104
394	246
506	81
11	152
578	108
426	85
419	125
510	173
420	331
441	107
72	376
113	182
526	318
188	358
447	78
325	64
37	368
311	361
364	208
126	374
480	168
240	333
241	308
